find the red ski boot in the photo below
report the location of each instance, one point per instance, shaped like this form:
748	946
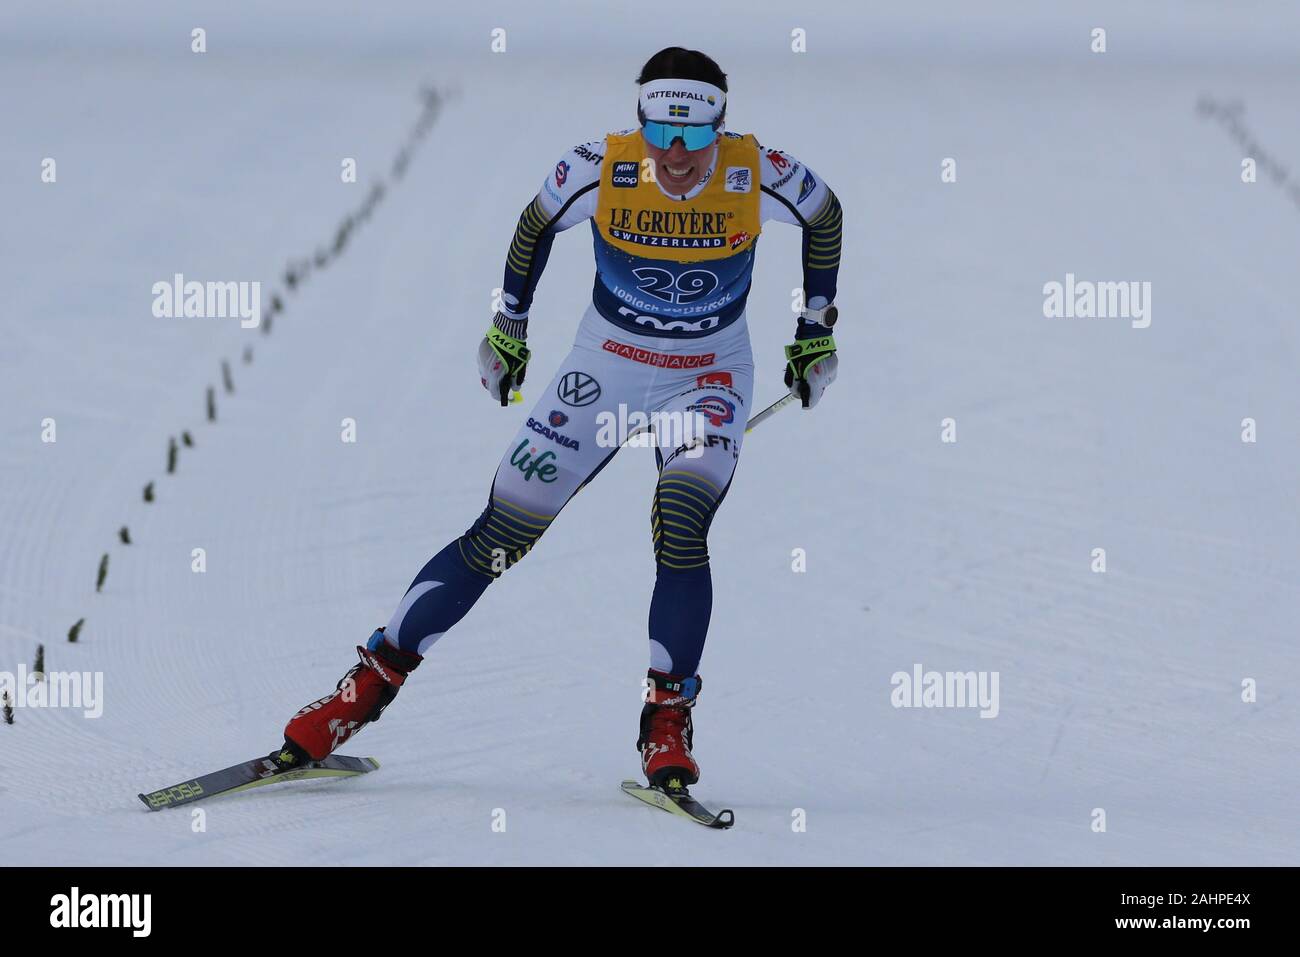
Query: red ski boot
666	732
361	697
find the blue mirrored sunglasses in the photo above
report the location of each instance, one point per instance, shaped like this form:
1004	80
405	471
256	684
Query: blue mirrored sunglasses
693	136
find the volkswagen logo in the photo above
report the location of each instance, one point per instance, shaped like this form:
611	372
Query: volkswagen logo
578	389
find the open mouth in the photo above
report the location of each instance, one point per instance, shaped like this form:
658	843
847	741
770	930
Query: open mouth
678	173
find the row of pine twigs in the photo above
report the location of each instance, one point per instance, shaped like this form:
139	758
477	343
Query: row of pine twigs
295	274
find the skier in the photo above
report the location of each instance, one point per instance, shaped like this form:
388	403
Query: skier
676	208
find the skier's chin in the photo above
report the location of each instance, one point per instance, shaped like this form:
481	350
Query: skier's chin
680	183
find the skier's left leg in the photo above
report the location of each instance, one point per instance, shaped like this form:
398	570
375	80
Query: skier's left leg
695	473
554	452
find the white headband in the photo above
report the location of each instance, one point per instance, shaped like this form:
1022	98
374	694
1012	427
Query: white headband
681	101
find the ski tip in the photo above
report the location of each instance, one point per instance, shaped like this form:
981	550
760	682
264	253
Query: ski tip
374	762
145	801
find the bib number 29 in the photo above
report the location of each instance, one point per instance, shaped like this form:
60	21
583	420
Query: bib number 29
678	289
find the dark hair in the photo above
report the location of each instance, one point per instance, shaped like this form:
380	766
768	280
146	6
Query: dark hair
678	63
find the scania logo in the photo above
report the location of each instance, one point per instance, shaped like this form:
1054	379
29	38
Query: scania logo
577	389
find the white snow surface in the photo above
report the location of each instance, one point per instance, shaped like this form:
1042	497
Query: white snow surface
1119	691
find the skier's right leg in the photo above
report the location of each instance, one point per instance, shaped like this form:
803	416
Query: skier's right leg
555	452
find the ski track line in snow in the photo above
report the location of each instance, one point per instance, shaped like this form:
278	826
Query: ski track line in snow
176	671
51	499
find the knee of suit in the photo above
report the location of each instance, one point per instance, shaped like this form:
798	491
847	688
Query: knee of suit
683	509
501	536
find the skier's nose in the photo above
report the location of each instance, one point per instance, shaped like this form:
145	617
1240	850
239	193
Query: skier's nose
677	153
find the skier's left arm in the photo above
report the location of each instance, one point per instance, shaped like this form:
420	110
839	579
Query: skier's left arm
567	197
792	193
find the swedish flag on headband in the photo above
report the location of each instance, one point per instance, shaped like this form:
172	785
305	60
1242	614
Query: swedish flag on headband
679	110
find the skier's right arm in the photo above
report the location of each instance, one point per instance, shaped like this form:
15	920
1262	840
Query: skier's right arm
567	197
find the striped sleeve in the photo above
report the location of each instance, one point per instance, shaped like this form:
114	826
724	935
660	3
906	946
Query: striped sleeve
794	194
822	238
567	198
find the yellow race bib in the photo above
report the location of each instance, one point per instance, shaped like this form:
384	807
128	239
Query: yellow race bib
636	216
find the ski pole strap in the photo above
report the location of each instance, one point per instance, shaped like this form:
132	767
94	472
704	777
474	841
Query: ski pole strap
801	354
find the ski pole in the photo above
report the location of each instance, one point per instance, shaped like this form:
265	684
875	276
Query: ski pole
758	419
770	411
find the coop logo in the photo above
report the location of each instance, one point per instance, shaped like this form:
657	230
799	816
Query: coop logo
716	409
1085	299
179	299
946	689
681	229
625	175
738	179
75	910
53	689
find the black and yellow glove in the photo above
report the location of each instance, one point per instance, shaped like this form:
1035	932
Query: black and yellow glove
810	361
503	357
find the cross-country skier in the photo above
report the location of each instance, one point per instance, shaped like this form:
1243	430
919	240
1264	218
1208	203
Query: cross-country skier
676	208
